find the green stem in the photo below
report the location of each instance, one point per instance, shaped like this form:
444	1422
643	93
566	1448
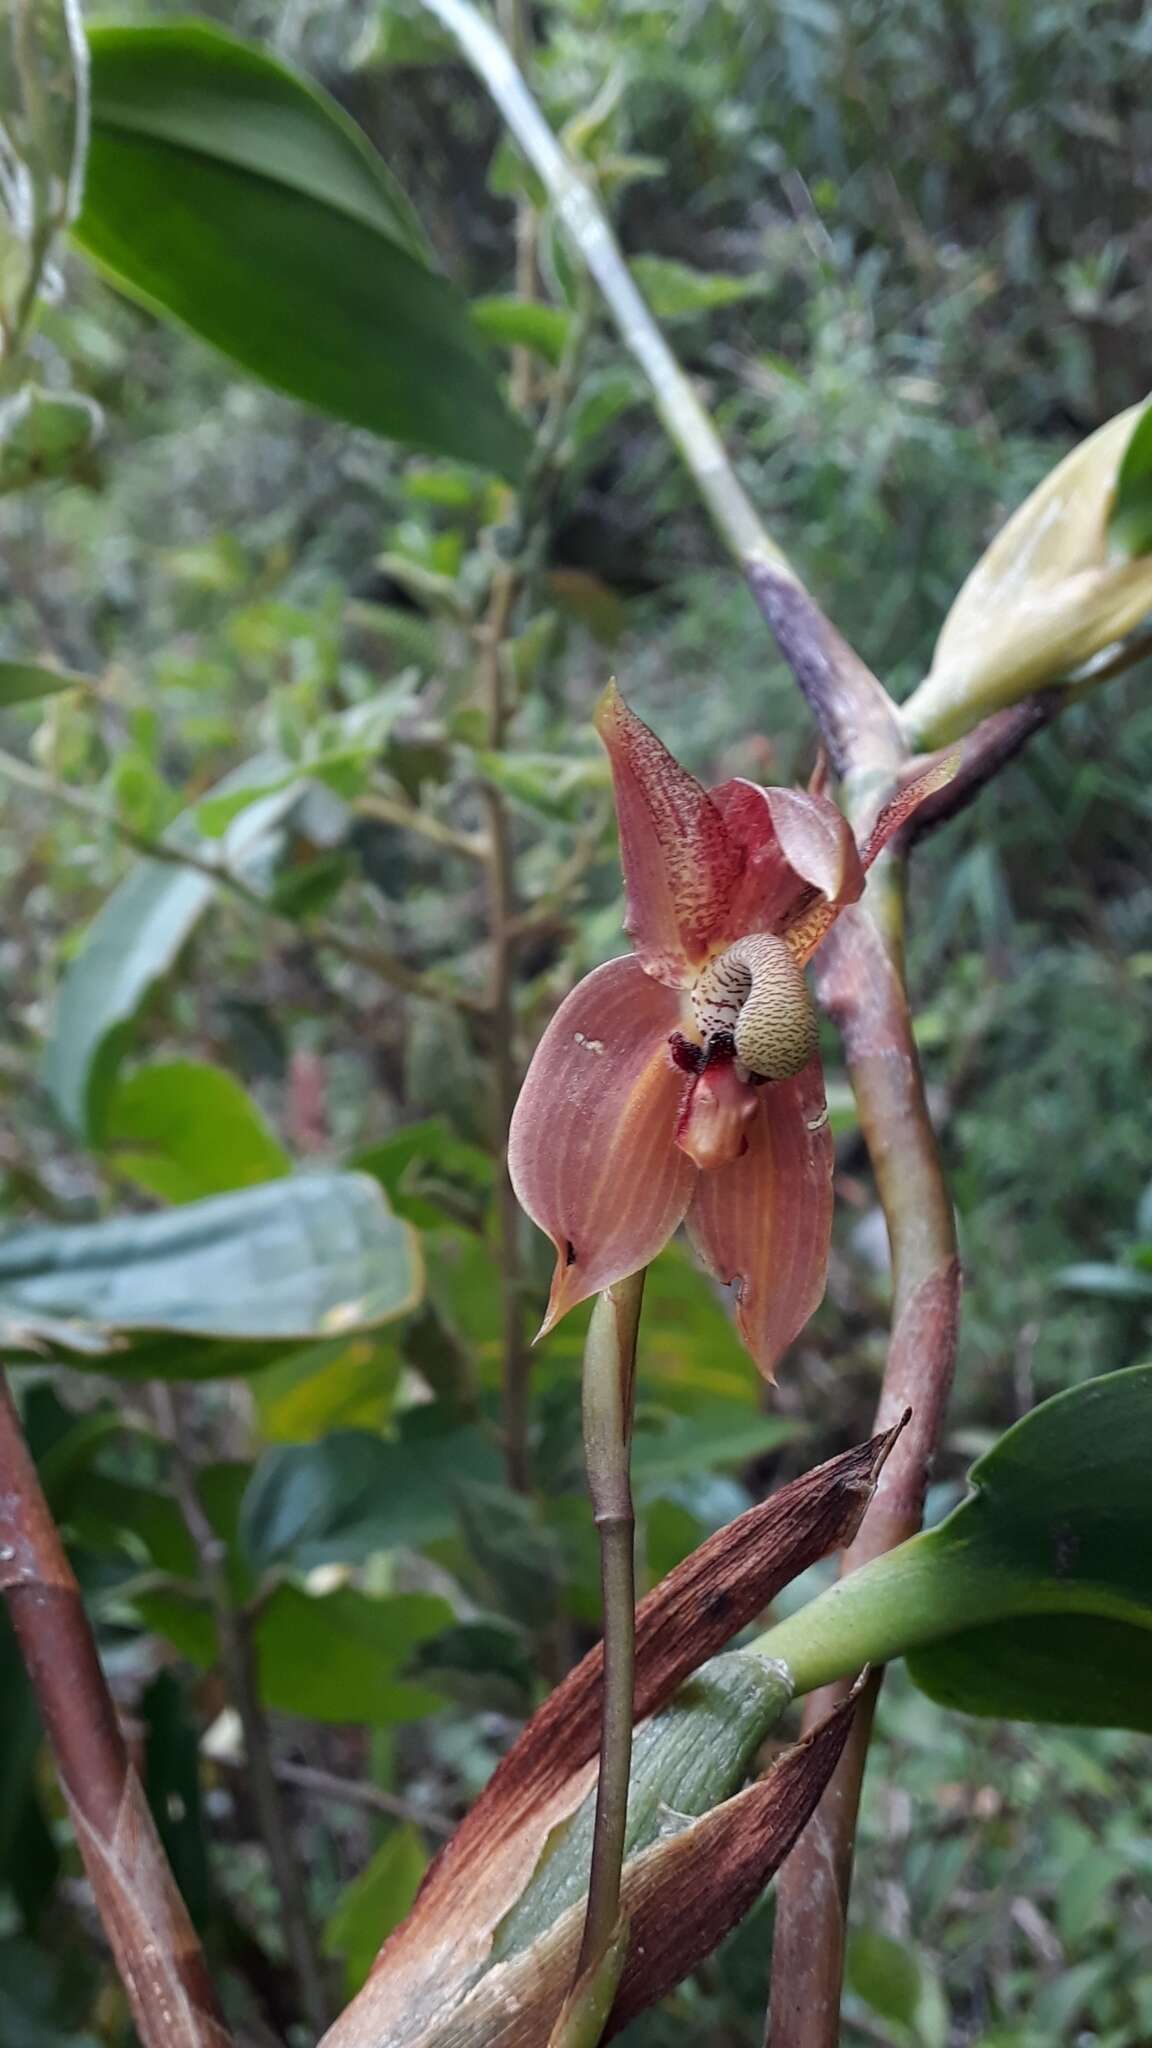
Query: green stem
609	1367
885	1609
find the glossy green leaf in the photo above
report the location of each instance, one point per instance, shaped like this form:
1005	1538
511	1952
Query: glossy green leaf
374	1904
297	1258
130	946
334	1658
22	682
273	230
1084	1670
1034	1598
183	1130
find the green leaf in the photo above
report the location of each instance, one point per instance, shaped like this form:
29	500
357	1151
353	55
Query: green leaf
353	1494
1085	1672
183	1130
1033	1600
21	682
294	1259
374	1904
274	231
1113	1283
721	1433
45	434
337	1385
1130	520
333	1658
676	292
556	785
885	1974
132	944
524	323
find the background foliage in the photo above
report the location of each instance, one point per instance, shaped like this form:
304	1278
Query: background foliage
902	323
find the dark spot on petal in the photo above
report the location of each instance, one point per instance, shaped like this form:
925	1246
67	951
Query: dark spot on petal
569	1252
685	1055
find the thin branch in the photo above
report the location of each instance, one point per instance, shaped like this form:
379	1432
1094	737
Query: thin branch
329	1787
389	811
150	1934
238	1659
362	952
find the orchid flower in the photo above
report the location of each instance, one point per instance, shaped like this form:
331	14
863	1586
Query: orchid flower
682	1083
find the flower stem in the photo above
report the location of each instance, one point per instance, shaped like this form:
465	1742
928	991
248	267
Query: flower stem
609	1371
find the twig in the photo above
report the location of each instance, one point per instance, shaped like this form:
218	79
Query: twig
471	845
609	1375
327	1785
151	1936
320	930
238	1659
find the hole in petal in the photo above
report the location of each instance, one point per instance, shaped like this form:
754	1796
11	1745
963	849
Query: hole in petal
569	1252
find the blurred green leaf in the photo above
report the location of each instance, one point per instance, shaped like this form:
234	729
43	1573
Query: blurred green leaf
353	1494
716	1433
335	1385
21	682
296	1258
131	945
1116	1283
1083	1671
274	231
374	1904
183	1130
524	323
885	1974
556	785
675	291
45	434
332	1658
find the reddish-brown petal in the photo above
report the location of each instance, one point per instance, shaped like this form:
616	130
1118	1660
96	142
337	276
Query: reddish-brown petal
592	1149
900	808
681	869
794	842
763	1223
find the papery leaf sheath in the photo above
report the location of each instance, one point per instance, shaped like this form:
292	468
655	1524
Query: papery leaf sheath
591	1149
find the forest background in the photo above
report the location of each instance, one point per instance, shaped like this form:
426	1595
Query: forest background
904	252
